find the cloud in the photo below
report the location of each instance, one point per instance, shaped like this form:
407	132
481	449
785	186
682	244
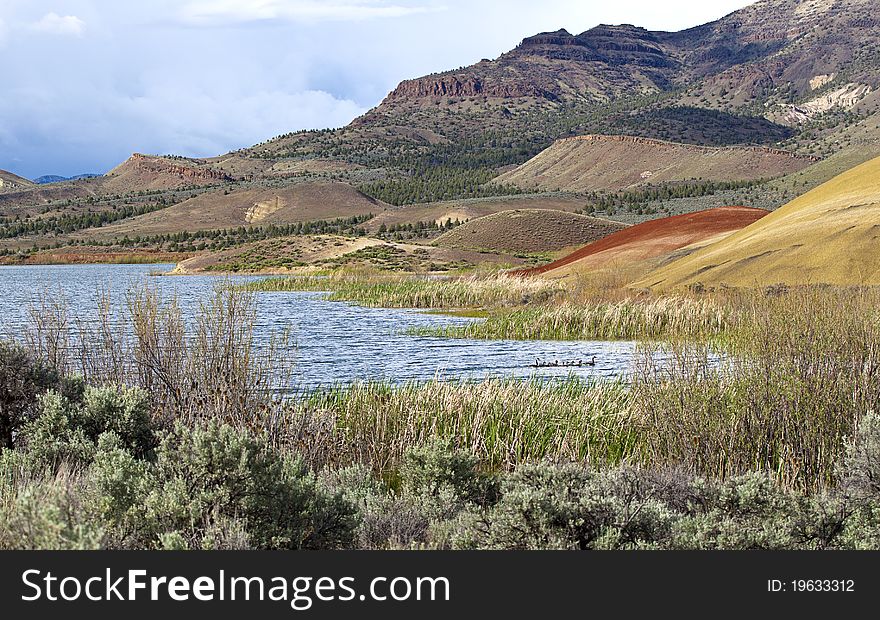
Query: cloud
37	136
53	23
221	12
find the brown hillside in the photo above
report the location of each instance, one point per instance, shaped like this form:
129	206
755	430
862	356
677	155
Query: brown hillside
527	230
13	183
302	202
657	238
463	210
593	162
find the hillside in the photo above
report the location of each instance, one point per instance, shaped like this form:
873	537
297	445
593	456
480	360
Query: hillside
463	210
827	236
302	202
13	183
656	239
306	253
145	172
777	76
776	70
527	231
591	163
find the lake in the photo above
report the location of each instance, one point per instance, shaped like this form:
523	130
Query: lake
335	343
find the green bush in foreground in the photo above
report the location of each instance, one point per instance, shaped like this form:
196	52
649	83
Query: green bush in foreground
214	478
96	473
22	378
217	487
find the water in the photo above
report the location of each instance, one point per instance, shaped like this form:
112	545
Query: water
336	343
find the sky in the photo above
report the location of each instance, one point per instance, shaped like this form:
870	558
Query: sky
87	82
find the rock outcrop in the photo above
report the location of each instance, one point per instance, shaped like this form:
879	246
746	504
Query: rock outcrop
466	86
162	166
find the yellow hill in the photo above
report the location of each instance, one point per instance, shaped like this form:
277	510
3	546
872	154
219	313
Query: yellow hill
830	235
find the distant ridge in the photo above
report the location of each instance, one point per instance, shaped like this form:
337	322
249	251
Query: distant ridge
54	178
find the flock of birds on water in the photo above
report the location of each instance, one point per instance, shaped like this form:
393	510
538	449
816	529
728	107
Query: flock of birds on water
564	363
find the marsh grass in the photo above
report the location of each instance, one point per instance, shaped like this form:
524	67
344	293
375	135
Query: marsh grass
800	369
377	291
802	373
628	319
503	422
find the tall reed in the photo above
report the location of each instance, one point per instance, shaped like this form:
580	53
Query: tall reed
802	373
503	422
628	319
419	292
210	366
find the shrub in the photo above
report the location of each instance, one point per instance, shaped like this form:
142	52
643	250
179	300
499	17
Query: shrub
749	512
860	470
544	507
49	512
22	379
210	485
68	431
439	468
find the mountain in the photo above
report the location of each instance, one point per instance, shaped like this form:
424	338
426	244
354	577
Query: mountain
54	178
830	235
49	178
786	74
765	92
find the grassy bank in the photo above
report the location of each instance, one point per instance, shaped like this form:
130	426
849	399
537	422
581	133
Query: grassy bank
417	292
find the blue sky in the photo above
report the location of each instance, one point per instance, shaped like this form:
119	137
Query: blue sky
87	82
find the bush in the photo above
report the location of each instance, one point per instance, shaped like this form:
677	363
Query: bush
49	512
746	512
68	431
22	379
860	471
563	507
213	484
439	468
